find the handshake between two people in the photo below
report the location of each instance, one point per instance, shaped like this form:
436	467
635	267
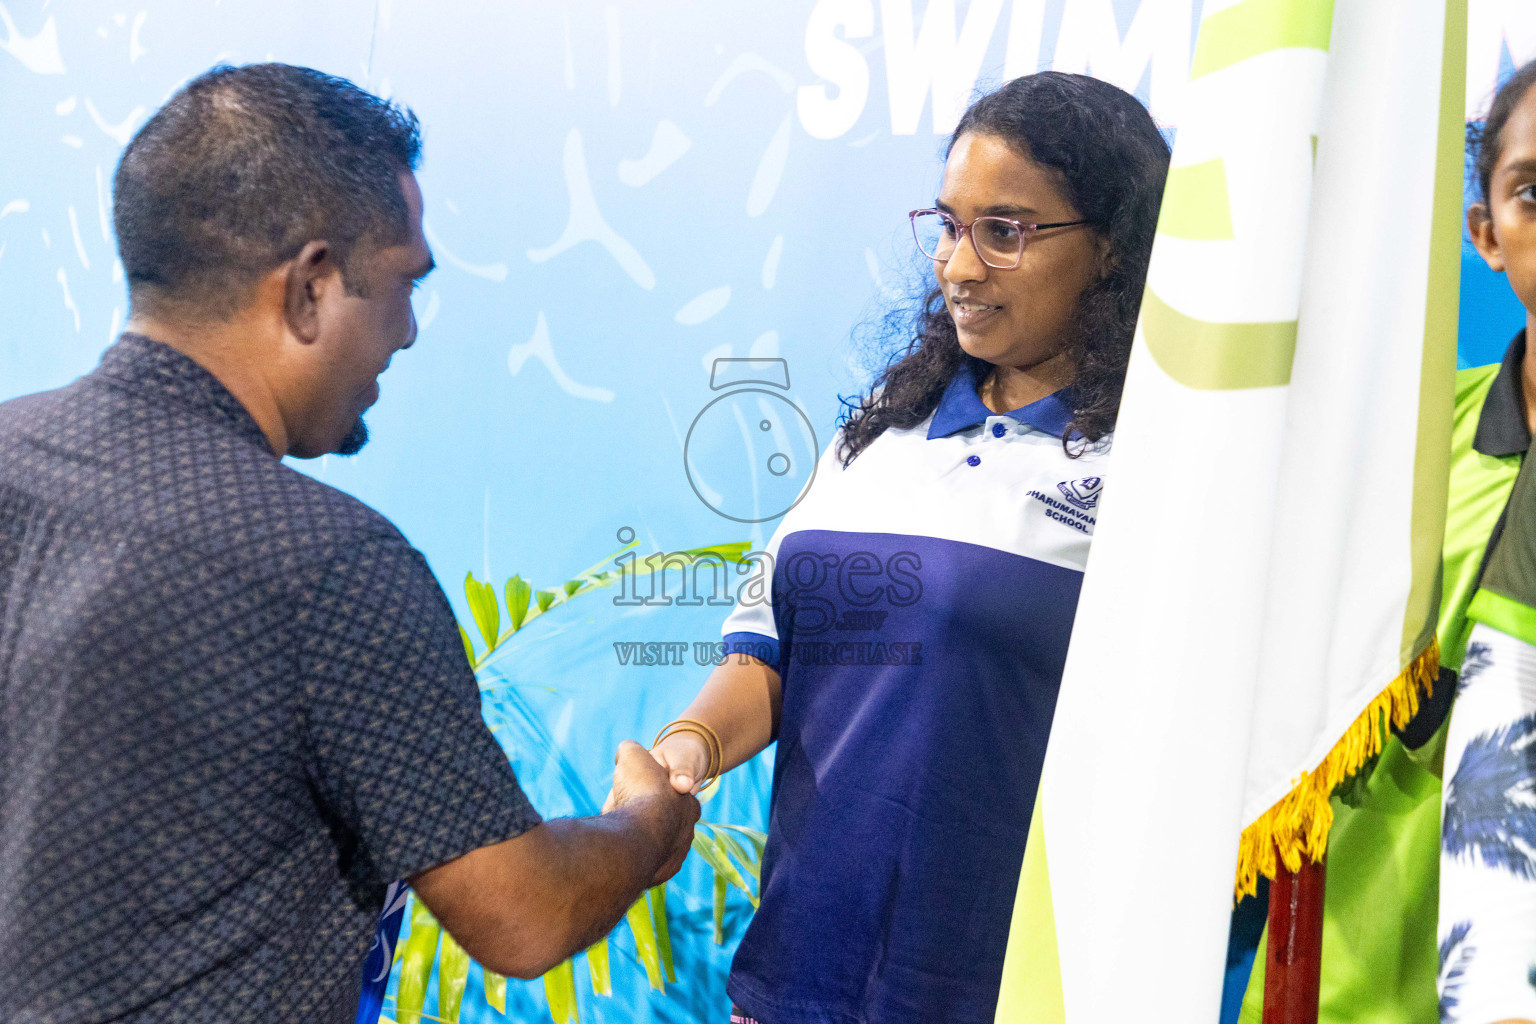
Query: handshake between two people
523	906
686	758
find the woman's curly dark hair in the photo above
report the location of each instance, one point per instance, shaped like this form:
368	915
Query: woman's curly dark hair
1485	141
1112	162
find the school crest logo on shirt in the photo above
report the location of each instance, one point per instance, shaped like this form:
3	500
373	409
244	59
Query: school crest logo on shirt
1083	493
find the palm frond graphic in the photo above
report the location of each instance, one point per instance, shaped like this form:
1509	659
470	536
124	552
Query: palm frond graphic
426	948
1490	804
1478	657
1456	954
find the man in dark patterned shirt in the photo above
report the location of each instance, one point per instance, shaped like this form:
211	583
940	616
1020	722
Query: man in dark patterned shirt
234	704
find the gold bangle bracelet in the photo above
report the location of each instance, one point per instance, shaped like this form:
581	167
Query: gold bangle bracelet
715	759
711	743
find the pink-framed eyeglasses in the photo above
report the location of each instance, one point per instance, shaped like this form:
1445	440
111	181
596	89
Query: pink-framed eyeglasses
999	241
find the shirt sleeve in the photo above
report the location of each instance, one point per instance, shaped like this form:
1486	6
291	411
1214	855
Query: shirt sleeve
752	628
1506	598
1488	835
403	765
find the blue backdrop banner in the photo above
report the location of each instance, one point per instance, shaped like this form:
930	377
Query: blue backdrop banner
668	235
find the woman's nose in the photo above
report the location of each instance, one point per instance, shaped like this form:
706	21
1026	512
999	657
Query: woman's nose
964	264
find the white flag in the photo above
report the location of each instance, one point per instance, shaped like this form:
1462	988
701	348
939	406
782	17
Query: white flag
1264	576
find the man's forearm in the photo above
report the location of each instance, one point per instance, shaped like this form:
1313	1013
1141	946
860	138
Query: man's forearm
522	906
603	865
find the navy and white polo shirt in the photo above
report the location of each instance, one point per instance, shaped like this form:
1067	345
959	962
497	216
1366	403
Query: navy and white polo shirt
921	603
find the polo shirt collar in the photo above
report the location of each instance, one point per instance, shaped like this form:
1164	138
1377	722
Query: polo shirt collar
149	365
961	408
1502	429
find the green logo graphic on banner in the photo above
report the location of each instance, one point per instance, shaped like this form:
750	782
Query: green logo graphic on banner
1203	200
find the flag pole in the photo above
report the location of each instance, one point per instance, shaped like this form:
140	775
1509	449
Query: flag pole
1293	958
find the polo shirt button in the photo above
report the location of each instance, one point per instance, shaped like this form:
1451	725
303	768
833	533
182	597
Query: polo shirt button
998	430
974	460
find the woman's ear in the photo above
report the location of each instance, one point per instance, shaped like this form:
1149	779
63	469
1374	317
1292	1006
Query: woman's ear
1484	237
1107	261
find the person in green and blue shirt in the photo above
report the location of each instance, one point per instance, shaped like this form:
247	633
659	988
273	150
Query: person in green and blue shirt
1487	931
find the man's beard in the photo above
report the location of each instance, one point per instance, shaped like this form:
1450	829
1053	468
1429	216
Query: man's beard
355	439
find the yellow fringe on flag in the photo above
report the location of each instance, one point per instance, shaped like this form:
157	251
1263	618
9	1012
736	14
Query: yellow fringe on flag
1298	824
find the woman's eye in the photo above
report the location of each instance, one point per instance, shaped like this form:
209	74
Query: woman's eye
1527	193
1002	231
949	228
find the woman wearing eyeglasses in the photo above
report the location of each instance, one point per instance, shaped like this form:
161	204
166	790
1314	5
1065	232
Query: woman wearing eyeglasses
918	600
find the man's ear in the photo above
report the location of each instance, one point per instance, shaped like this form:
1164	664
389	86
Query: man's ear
309	274
1484	237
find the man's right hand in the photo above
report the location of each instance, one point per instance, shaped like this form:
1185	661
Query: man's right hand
642	788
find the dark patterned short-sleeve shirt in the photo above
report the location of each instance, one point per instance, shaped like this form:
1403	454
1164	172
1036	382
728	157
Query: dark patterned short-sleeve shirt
234	706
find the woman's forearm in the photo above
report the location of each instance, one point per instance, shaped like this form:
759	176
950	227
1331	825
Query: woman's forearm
740	701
